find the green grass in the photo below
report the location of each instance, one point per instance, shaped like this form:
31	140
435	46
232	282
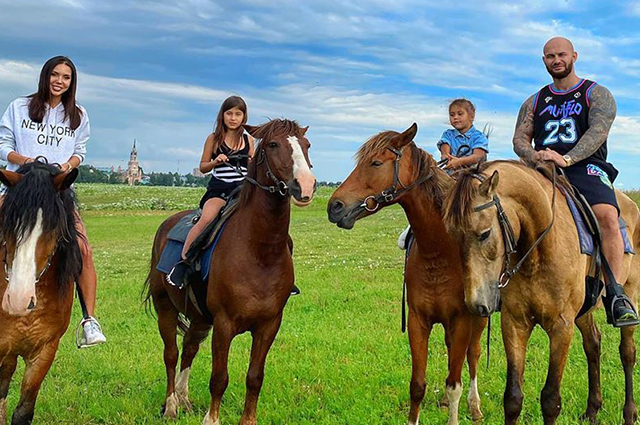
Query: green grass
339	358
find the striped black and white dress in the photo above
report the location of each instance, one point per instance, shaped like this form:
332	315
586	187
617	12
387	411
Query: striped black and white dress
225	178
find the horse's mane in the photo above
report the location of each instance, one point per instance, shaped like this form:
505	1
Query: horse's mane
434	188
458	204
267	131
19	213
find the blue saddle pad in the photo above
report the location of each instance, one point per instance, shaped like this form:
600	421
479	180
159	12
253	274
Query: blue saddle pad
585	237
173	250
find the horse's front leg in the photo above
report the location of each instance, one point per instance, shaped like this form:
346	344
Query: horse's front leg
458	332
473	358
37	367
591	344
263	337
628	357
196	333
514	337
560	335
419	332
223	334
168	328
7	369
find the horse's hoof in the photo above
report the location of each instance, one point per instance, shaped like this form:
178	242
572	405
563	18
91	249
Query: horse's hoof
171	407
589	418
476	416
444	401
208	421
185	403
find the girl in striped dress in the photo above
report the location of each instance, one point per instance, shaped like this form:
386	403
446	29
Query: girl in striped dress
228	140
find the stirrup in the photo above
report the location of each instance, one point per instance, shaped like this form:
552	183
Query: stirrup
179	273
627	319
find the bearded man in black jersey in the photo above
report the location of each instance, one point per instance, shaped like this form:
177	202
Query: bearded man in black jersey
568	122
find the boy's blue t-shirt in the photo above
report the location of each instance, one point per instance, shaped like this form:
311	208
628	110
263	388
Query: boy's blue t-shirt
463	144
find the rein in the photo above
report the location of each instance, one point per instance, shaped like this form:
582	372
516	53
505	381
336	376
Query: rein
392	192
508	234
279	187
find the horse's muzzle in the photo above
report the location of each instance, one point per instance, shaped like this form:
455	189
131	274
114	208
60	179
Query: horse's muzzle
485	301
302	192
342	215
18	306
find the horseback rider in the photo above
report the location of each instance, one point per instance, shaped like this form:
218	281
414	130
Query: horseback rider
226	154
568	122
50	124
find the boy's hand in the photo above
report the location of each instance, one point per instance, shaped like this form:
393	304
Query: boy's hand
453	162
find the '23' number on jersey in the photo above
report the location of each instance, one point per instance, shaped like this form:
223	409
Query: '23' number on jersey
564	129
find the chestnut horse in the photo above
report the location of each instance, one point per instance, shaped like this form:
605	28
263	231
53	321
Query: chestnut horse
549	288
41	259
251	272
391	168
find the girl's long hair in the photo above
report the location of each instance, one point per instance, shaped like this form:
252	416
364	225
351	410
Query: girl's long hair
221	129
39	99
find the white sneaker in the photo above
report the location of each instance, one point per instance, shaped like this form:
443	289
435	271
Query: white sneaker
402	239
89	333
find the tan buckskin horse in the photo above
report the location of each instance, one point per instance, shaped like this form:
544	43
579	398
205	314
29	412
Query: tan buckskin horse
251	272
391	168
549	289
41	260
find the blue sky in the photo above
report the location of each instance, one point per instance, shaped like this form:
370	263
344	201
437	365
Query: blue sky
157	71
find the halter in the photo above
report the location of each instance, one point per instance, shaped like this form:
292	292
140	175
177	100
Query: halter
508	235
392	192
42	272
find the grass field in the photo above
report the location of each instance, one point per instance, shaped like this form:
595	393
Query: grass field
339	358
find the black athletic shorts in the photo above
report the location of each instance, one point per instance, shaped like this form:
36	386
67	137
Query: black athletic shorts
594	179
218	189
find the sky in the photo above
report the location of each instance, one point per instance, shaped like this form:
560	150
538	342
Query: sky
157	71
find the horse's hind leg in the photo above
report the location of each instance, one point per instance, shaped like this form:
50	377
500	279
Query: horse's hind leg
560	335
591	345
628	356
473	357
419	332
7	369
168	327
263	337
37	367
458	332
196	333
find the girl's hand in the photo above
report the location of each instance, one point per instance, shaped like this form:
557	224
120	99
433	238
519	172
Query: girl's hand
220	159
66	167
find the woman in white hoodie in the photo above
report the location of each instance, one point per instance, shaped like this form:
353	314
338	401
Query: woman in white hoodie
50	124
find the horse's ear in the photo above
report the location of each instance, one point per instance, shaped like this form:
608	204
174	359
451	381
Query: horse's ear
488	187
406	136
10	178
63	181
251	129
304	130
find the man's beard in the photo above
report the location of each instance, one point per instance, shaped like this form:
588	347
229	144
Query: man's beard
562	74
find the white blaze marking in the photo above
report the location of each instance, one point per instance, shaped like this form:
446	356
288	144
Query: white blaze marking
299	163
454	401
22	280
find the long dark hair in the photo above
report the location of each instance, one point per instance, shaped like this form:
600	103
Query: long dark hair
39	99
221	129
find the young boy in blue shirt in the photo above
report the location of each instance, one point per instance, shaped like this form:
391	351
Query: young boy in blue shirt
461	146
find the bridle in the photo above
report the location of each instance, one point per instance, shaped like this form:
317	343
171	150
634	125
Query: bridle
8	269
508	235
279	186
392	192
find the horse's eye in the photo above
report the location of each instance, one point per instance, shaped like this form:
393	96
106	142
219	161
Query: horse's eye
376	163
484	235
273	145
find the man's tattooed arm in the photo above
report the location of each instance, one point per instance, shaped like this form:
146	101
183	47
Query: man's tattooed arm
524	132
601	115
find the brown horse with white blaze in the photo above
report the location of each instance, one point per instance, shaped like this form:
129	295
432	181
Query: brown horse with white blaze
391	168
251	272
549	288
42	259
